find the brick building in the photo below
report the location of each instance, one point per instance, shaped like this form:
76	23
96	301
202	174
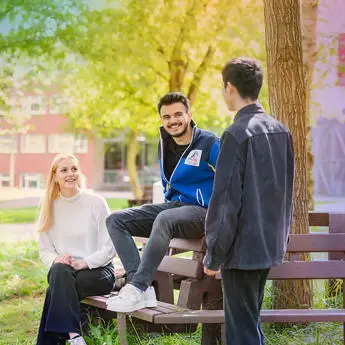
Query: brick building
25	158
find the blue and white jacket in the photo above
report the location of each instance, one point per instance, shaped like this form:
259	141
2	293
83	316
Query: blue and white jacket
192	179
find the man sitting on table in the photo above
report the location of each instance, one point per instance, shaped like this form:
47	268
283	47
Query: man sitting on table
187	157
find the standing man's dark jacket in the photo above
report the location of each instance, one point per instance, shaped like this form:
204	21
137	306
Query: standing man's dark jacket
248	219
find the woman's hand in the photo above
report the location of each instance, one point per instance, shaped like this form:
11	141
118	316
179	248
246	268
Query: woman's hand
79	264
64	259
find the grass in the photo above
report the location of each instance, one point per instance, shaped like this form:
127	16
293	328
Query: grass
19	320
18	215
107	335
29	214
22	286
117	204
312	334
22	273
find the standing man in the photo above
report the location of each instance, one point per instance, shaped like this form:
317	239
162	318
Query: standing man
248	220
187	157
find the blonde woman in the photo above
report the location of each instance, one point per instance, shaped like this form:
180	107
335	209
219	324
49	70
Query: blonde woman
74	244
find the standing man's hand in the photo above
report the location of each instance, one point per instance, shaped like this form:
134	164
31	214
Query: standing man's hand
210	273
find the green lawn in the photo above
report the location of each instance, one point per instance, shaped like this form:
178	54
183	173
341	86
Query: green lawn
29	214
18	215
21	270
19	320
117	204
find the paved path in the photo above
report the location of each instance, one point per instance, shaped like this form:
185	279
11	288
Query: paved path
17	232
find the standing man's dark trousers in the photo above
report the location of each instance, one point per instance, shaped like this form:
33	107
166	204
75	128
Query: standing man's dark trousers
243	292
159	222
67	287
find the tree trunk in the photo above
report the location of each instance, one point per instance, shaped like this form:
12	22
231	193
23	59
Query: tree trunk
132	167
288	104
309	21
178	69
199	74
178	64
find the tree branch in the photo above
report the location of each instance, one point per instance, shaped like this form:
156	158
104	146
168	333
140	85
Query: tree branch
199	74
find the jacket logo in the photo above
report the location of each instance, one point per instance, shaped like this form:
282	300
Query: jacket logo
194	158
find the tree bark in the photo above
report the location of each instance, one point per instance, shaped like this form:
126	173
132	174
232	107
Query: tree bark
199	74
309	21
288	103
132	167
178	63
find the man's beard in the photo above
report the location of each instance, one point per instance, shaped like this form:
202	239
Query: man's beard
177	135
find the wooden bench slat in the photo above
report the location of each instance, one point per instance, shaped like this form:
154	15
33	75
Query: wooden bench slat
191	316
171	306
180	266
165	310
308	270
318	219
322	242
146	314
281	315
149	314
303	315
96	301
197	244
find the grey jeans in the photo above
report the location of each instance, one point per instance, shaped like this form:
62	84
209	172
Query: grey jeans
158	222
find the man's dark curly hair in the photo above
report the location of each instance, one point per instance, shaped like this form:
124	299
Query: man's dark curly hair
246	75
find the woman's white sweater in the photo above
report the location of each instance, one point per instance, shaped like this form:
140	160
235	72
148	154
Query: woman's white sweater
78	229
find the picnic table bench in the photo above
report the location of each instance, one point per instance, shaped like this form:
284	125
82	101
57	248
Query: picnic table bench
197	290
177	271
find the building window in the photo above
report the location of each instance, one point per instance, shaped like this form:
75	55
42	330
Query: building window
58	104
31	180
33	143
8	144
62	143
5	180
34	105
341	60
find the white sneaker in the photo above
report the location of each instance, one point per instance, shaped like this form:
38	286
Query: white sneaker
150	297
131	299
113	295
77	341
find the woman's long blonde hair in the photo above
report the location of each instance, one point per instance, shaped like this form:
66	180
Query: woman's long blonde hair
52	191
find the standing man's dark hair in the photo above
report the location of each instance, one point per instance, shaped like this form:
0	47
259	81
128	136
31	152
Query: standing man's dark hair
246	75
248	220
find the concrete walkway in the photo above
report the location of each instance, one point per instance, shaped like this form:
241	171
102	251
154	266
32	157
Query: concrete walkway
18	232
